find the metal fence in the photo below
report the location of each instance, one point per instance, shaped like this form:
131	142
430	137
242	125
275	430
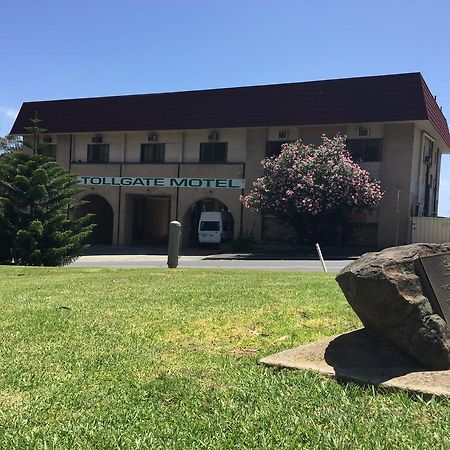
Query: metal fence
430	229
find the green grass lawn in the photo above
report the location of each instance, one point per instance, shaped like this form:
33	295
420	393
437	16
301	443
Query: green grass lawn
104	358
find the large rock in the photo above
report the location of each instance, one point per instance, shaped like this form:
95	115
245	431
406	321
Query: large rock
386	293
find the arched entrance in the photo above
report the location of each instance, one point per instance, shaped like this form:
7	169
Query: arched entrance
151	218
192	216
103	218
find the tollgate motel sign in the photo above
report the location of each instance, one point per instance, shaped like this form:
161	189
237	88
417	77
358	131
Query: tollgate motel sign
216	183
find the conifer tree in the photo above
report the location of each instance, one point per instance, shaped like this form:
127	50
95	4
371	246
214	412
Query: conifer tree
36	131
37	205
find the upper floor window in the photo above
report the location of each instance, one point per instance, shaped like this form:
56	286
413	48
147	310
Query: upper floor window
98	153
213	152
153	153
365	150
273	148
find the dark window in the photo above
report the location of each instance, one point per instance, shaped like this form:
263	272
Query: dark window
153	153
213	152
48	150
273	148
98	153
360	234
210	226
365	150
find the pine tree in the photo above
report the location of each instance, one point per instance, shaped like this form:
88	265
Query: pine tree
36	209
35	130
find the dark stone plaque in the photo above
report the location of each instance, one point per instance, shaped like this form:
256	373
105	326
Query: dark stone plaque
434	274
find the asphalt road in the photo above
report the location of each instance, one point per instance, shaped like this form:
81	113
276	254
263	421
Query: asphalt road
205	262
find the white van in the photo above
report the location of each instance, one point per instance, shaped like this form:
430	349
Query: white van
215	227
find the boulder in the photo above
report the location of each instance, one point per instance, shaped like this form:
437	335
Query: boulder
387	294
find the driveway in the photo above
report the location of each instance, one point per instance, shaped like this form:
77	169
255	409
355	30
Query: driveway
220	261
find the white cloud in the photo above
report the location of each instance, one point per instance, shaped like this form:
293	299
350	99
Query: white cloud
10	113
7	117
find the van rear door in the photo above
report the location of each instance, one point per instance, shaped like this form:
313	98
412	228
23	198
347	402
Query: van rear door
209	231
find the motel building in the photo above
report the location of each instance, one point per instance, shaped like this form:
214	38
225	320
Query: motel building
145	160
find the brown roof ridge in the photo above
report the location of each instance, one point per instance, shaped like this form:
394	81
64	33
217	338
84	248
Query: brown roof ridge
379	98
227	88
435	114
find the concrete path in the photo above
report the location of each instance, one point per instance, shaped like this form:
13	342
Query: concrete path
366	358
222	261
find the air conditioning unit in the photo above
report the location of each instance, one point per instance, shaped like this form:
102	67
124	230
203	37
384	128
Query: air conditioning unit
47	139
152	137
213	136
96	139
363	132
283	134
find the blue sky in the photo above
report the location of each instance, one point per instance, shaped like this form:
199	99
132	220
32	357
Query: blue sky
60	49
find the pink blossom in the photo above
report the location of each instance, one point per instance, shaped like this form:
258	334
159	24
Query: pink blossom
310	180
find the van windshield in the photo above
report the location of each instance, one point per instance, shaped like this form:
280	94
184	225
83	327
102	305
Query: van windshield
210	226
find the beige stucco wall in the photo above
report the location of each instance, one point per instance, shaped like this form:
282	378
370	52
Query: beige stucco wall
149	170
62	142
400	170
256	148
100	170
396	184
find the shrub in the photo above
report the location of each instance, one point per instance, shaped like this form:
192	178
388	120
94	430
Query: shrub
313	187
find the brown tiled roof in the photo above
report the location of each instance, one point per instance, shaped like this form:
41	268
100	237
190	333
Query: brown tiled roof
351	100
435	115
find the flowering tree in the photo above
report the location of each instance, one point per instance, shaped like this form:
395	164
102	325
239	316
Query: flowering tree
312	188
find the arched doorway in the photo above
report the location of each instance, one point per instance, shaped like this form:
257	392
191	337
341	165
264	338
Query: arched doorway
192	216
151	218
103	218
